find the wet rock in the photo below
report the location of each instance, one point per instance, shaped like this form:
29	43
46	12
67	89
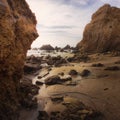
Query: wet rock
39	77
29	88
34	60
28	68
95	115
45	74
78	111
53	80
117	62
55	113
106	89
29	103
62	73
98	65
79	57
112	68
57	99
42	115
39	83
85	73
64	79
70	59
56	61
73	72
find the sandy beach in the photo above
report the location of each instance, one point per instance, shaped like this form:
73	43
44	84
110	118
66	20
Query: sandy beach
99	90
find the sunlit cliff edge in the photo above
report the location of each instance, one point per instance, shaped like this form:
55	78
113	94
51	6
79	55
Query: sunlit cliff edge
103	32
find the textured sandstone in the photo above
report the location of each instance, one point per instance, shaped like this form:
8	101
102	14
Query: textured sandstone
103	32
17	32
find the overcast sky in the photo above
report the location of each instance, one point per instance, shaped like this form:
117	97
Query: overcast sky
62	22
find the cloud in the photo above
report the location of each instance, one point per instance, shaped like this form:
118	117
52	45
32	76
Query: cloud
64	20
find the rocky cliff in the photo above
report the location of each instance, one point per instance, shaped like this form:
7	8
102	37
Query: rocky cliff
103	32
17	32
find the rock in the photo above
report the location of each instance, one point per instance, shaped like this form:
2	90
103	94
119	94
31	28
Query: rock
28	68
43	115
73	72
68	78
46	47
56	61
39	83
98	65
117	62
29	88
55	113
17	32
106	89
112	68
28	91
34	60
95	115
85	73
29	103
67	47
79	57
57	99
105	20
53	80
70	59
78	111
39	77
62	73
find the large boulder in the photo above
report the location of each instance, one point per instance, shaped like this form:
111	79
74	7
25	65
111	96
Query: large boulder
17	32
103	32
53	80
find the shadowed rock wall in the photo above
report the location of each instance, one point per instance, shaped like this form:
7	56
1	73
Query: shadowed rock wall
17	32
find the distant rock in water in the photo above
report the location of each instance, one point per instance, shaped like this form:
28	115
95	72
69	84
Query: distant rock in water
103	32
47	47
17	32
67	47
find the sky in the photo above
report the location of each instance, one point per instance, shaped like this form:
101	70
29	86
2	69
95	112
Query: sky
62	22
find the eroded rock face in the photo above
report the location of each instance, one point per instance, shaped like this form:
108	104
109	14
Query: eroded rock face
103	32
17	32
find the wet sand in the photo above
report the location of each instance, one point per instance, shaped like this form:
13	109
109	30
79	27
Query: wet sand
100	90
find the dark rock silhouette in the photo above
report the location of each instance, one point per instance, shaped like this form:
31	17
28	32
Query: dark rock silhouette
47	47
67	47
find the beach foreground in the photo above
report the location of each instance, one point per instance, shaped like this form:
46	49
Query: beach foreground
86	89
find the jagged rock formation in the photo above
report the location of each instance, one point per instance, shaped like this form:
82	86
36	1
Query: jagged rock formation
67	47
47	47
17	32
103	32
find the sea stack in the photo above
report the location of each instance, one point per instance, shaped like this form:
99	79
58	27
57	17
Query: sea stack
102	34
17	32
